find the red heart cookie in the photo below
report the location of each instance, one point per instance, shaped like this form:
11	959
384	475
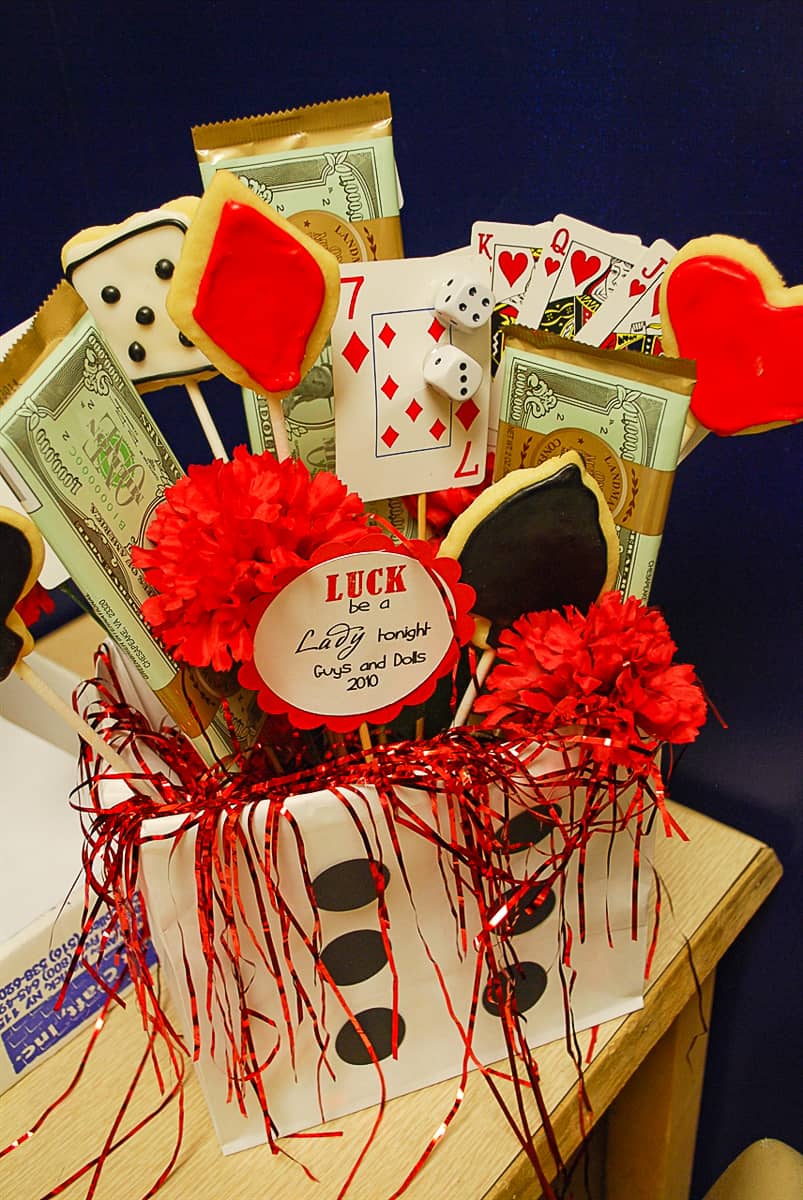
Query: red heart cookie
724	304
512	265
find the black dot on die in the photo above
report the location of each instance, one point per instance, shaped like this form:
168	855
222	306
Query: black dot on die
347	885
136	352
110	294
185	341
485	302
528	914
377	1025
354	956
472	291
145	316
464	391
527	980
475	316
527	829
164	268
447	298
462	307
464	366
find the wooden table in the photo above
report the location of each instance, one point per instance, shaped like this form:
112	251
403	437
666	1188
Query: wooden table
646	1073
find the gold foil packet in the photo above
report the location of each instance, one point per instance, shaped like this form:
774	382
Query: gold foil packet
85	459
623	412
330	170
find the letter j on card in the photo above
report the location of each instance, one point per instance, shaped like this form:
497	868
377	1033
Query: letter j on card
396	434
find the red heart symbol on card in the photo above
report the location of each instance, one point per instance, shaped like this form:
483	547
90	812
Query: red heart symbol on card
725	305
637	288
512	265
584	265
551	265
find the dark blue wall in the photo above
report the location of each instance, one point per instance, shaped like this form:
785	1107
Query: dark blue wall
669	120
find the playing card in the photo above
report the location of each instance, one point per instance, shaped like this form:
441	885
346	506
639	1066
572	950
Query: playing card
579	267
395	434
510	252
630	318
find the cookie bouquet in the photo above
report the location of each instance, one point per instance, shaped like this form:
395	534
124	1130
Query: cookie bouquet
383	696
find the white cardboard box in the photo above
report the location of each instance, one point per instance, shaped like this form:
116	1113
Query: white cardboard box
40	867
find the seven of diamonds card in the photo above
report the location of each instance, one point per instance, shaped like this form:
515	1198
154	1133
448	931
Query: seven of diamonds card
395	434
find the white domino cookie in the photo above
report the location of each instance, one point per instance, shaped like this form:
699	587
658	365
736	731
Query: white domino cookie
122	273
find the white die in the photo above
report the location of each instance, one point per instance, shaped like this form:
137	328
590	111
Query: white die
453	372
464	302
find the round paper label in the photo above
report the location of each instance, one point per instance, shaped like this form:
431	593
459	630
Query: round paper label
355	635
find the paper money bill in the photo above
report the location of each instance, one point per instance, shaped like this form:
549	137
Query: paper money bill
626	421
346	197
84	458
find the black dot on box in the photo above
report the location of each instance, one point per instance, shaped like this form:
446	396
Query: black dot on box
164	268
185	341
110	294
527	980
528	914
145	315
136	352
377	1025
347	885
354	956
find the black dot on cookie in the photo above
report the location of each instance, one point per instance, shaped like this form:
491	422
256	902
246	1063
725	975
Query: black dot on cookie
185	341
354	956
377	1025
528	982
164	268
136	352
110	294
145	316
347	885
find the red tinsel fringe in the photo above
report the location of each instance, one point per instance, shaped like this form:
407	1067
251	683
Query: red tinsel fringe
476	773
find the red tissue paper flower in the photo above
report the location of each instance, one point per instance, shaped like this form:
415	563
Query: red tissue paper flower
220	539
34	604
609	671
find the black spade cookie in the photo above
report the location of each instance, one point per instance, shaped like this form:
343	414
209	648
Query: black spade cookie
540	538
21	557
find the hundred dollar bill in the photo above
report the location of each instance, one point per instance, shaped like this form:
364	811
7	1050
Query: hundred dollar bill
83	456
330	170
624	413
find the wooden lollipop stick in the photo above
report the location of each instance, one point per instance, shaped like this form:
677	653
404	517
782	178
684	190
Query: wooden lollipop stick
280	440
76	723
207	424
470	694
422	515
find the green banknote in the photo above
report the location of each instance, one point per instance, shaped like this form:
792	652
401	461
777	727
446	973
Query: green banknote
87	462
625	419
346	197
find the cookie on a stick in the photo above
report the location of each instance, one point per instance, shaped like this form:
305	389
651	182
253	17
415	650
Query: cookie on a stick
21	557
726	306
540	538
122	273
254	294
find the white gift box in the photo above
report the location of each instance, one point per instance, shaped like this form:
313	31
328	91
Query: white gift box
41	895
337	841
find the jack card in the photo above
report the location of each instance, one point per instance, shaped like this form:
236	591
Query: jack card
395	435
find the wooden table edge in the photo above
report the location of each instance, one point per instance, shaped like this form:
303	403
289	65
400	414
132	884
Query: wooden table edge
641	1030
